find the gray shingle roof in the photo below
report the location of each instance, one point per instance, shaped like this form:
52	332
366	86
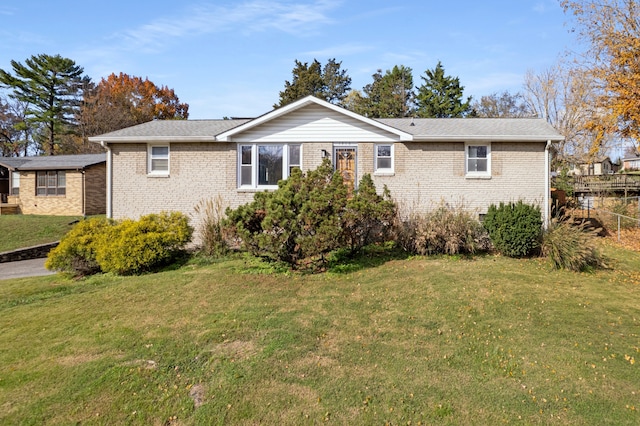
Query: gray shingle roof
172	130
53	162
474	128
419	129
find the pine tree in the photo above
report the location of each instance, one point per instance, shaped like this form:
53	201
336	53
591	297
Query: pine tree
329	83
51	86
441	96
390	95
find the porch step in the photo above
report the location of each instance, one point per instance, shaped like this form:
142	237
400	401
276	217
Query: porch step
9	209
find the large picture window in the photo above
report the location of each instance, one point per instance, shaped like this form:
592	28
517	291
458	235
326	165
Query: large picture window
50	183
478	160
263	165
158	160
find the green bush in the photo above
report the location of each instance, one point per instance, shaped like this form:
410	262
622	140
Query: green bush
514	228
133	247
126	247
76	253
309	216
444	230
571	247
368	217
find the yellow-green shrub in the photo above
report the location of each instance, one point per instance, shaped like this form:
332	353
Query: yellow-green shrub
125	248
76	253
133	247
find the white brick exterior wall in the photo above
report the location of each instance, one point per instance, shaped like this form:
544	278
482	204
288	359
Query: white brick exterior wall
425	174
429	173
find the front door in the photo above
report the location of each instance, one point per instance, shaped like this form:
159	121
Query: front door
345	161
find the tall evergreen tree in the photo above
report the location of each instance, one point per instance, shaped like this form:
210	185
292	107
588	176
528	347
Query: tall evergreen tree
51	86
390	95
330	83
440	96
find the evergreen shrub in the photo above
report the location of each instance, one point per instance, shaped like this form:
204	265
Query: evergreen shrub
310	215
514	228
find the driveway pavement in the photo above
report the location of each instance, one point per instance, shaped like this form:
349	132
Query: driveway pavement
23	268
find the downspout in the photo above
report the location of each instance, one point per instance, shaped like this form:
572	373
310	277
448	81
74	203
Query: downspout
109	186
84	195
547	185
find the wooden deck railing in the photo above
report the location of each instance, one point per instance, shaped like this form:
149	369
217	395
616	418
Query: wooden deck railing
606	183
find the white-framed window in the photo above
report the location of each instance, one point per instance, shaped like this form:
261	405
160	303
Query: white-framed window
51	183
158	160
261	166
15	183
478	159
383	154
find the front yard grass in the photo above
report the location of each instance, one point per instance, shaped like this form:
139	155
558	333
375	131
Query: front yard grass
438	340
18	231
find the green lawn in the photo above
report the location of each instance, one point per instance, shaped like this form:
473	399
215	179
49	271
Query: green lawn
440	340
17	231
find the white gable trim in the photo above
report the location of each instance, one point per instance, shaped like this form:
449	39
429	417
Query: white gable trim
229	134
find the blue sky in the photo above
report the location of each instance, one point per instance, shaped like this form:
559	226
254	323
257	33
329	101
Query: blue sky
231	58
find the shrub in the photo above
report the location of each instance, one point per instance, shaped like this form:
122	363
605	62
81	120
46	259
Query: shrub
571	246
133	247
368	216
212	232
125	248
76	253
514	228
444	230
309	216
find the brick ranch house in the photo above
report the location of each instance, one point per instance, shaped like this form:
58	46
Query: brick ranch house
63	185
474	162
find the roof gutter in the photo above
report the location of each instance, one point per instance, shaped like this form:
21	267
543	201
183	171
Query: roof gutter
147	139
493	138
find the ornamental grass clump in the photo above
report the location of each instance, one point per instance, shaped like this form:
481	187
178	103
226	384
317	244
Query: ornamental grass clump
445	230
213	235
570	246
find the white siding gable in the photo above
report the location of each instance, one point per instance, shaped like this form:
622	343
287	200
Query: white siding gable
315	123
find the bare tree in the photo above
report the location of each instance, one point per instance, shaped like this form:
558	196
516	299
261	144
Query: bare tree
564	97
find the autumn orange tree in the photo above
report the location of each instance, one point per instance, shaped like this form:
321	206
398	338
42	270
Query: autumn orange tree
611	29
120	101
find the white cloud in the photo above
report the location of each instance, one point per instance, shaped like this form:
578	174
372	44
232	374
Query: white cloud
246	18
